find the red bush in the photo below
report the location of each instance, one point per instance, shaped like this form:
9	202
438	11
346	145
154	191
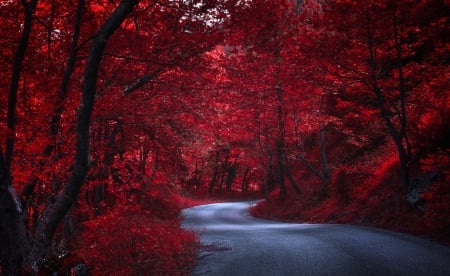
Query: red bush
129	241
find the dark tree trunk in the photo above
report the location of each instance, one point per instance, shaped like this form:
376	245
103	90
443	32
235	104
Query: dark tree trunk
222	179
265	182
323	173
281	171
213	180
404	151
267	174
64	87
323	151
13	241
397	133
245	180
54	214
268	177
289	174
15	77
198	176
231	174
231	170
214	177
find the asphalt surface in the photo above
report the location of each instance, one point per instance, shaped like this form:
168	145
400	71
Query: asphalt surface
234	243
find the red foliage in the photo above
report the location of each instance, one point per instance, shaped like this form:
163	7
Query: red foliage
354	43
369	198
130	240
204	100
138	227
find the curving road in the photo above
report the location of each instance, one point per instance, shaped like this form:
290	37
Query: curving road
234	243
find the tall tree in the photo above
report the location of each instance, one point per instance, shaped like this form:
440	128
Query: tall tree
13	241
370	51
15	249
53	216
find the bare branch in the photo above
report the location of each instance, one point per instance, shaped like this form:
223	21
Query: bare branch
141	82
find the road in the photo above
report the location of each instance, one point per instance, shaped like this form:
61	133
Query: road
234	243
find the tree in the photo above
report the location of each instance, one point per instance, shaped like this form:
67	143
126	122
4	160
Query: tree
371	52
13	241
137	89
12	258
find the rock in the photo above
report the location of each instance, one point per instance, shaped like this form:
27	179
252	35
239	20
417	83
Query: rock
80	269
419	185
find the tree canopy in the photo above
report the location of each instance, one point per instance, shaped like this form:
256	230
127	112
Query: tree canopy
114	109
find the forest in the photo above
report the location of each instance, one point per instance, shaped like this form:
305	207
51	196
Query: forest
116	115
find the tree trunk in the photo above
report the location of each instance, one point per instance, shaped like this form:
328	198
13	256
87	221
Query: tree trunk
267	174
265	182
213	181
64	87
15	77
222	179
13	241
54	214
244	185
398	134
323	150
281	172
403	151
325	170
231	174
289	174
214	177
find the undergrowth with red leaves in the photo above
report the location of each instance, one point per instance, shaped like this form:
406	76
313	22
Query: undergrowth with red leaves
136	233
361	196
129	241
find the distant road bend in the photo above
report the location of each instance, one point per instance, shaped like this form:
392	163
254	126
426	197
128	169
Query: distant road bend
237	244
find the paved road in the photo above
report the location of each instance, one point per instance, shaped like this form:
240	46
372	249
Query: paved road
237	244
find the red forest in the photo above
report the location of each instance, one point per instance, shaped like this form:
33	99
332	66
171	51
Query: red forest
118	114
